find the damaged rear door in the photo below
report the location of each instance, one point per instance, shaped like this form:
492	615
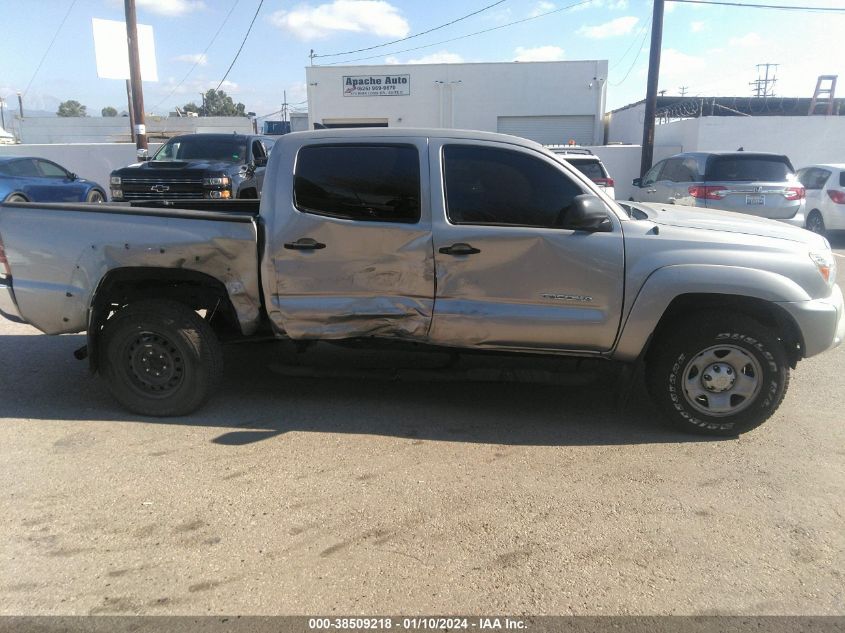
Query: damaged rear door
507	275
353	254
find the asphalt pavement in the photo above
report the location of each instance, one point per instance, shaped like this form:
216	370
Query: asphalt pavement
299	494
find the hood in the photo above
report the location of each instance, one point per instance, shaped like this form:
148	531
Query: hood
165	167
729	222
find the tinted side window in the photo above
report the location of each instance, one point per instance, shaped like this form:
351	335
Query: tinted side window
651	175
51	170
258	149
376	183
24	168
486	185
842	178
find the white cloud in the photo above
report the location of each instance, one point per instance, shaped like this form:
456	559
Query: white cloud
539	54
200	59
542	7
613	28
749	40
170	7
613	5
313	22
697	26
440	57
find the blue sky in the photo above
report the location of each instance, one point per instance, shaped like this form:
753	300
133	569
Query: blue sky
709	49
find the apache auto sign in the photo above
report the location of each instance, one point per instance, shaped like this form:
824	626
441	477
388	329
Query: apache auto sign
376	85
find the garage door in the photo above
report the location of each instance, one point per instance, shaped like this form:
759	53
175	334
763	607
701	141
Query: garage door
550	130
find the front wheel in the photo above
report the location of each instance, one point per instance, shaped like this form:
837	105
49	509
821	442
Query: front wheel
95	197
718	374
159	358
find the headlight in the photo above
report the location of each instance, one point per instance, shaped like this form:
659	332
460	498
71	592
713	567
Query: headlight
115	180
216	181
826	264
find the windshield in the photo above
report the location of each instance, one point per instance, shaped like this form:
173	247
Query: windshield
232	150
592	169
748	168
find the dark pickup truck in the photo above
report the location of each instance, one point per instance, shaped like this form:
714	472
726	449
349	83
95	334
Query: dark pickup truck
197	166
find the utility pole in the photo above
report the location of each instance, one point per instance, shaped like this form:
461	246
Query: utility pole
20	105
683	90
204	110
764	86
131	111
284	108
135	78
2	114
651	89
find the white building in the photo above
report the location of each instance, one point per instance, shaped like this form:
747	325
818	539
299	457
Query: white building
549	102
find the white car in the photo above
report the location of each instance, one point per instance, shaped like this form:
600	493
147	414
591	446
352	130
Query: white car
588	164
825	186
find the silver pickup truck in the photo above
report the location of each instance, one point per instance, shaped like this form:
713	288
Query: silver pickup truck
463	240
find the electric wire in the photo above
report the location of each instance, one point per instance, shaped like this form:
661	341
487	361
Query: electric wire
461	37
202	55
410	37
52	41
782	7
248	31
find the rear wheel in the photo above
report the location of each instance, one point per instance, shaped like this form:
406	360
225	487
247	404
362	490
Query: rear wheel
159	358
815	222
718	374
16	198
95	196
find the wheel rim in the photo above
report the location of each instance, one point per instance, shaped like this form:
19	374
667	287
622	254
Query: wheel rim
153	364
722	380
815	223
96	196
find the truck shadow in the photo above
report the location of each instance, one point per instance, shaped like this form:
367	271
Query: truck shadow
260	400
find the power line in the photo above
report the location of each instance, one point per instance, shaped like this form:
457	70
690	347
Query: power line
763	6
631	45
55	35
461	37
636	57
410	37
202	55
248	31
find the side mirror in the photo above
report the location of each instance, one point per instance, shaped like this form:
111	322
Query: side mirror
72	176
587	213
260	161
637	182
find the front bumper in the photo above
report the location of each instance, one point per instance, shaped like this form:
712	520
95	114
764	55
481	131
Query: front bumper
821	321
8	305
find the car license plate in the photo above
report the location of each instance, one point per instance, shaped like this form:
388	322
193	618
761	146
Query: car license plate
755	200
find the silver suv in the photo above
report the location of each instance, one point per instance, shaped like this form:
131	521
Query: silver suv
755	183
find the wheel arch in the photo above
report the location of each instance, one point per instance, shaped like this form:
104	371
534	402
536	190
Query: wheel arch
673	292
123	286
17	193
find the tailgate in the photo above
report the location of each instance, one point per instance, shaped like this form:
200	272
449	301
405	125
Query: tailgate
766	200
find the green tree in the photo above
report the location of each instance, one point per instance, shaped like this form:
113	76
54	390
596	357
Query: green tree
217	103
108	111
71	108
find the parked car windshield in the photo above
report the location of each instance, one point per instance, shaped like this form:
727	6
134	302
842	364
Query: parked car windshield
749	168
232	150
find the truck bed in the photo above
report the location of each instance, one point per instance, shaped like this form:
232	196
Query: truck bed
59	254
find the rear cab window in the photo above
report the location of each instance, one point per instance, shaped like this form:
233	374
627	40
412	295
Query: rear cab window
364	182
749	167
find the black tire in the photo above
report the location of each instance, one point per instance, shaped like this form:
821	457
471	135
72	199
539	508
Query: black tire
95	196
160	358
815	222
707	362
16	197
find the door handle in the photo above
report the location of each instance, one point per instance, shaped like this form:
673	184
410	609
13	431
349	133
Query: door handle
304	244
652	191
461	248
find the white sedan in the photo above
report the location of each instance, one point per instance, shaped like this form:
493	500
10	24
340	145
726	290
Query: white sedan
825	186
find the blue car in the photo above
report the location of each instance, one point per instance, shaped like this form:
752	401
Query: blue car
39	180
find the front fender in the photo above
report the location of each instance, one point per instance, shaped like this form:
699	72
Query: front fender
666	284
